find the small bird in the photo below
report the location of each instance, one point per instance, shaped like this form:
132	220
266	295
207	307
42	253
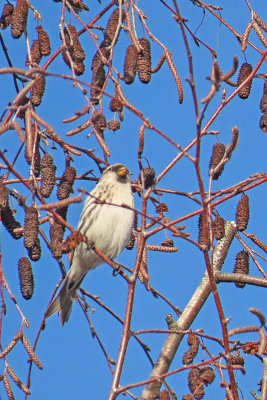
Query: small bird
104	223
77	5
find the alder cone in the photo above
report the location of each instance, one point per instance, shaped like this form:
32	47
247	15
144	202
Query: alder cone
242	213
144	61
3	196
207	375
114	124
115	105
130	64
35	251
244	72
36	54
241	266
148	174
190	354
5	18
263	122
98	80
19	18
25	277
164	395
112	26
66	183
9	222
263	103
57	233
201	232
31	225
37	91
217	155
45	46
73	43
48	175
218	227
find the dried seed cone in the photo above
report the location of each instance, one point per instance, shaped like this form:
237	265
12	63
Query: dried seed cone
162	208
199	392
144	61
44	41
35	251
130	64
207	375
57	233
193	379
237	359
148	175
5	19
19	18
188	396
48	175
241	266
218	227
25	277
201	232
79	68
218	152
263	122
244	72
114	125
37	91
3	196
66	183
242	213
263	103
189	355
164	395
36	54
73	43
167	243
112	26
72	242
9	222
98	80
99	121
97	60
31	224
115	105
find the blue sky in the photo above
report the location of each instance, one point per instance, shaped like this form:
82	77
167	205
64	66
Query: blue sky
74	365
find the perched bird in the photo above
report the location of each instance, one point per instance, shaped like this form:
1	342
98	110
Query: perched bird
77	5
106	225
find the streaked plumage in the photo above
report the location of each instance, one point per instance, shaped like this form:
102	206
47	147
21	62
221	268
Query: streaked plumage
77	5
107	226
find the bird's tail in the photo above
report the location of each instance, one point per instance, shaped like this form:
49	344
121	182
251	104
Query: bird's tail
63	301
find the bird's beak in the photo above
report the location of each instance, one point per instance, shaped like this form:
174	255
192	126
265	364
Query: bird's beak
123	171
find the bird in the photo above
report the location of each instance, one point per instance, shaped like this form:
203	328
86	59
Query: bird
77	5
107	222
